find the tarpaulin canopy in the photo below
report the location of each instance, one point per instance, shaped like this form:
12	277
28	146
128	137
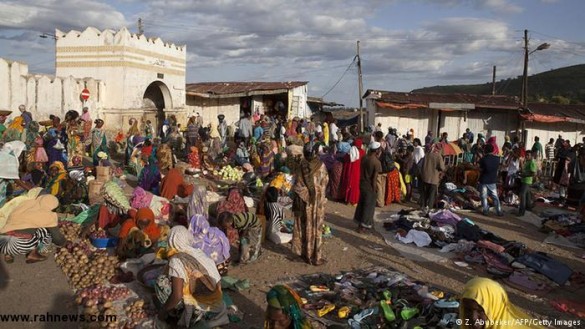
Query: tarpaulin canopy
394	106
543	118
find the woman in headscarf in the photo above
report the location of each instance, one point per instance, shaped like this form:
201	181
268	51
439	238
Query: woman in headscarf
149	178
309	206
198	202
75	148
284	310
266	159
58	175
173	185
138	234
211	240
164	156
30	228
276	231
193	158
190	287
99	142
492	142
485	304
234	202
86	119
350	181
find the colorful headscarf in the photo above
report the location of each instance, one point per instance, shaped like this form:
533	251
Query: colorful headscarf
495	303
152	229
284	298
182	240
141	198
234	203
211	240
198	202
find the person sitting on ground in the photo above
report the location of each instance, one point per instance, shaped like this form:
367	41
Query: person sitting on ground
30	228
284	309
190	288
249	229
138	234
173	185
276	232
149	177
57	174
484	301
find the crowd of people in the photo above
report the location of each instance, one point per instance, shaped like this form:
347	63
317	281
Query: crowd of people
44	170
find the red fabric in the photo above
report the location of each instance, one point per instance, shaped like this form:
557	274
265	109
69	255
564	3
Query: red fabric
152	229
234	203
350	181
392	187
173	184
106	219
147	150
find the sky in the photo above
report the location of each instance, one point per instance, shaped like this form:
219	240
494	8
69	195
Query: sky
404	44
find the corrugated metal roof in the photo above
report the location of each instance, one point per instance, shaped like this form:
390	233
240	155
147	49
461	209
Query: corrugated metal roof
496	101
559	110
228	88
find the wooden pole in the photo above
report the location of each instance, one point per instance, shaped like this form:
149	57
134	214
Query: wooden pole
360	86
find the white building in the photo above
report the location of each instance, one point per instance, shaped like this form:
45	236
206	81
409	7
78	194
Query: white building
127	75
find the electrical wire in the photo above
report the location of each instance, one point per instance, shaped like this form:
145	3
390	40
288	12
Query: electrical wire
340	78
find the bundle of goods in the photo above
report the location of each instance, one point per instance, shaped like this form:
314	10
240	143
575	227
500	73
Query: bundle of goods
229	173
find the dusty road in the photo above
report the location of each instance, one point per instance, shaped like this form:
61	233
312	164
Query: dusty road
40	288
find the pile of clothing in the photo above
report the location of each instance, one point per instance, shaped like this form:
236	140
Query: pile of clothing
568	225
525	269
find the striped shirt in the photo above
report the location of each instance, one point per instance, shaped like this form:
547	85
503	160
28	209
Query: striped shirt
246	220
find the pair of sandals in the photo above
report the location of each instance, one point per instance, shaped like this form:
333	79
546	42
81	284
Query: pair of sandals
10	259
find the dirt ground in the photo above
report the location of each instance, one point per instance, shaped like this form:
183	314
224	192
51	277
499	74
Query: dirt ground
42	287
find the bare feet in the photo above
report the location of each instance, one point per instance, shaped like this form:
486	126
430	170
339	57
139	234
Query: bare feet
320	262
9	259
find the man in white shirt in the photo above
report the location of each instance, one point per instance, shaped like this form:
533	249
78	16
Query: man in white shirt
333	131
419	151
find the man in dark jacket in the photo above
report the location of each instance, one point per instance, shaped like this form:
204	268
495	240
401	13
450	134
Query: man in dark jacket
488	177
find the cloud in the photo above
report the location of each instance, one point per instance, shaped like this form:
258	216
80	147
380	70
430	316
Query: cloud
63	14
495	6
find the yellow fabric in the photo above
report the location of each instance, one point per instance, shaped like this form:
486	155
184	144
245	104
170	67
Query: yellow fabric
33	213
402	184
326	133
14	203
494	300
17	124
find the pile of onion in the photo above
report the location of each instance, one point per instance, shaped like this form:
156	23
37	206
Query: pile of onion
70	230
84	267
137	311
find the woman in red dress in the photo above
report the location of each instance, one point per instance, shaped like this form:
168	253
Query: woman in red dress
350	181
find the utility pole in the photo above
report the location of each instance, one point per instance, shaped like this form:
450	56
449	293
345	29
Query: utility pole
360	86
494	81
140	26
524	96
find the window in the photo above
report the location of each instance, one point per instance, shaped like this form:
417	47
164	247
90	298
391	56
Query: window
160	76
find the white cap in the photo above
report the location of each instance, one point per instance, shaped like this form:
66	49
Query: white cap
374	146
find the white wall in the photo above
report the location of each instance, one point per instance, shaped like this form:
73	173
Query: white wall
44	94
545	131
502	123
127	62
209	109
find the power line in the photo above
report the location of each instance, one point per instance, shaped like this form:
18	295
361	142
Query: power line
340	78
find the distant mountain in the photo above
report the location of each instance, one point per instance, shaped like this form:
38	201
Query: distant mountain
564	86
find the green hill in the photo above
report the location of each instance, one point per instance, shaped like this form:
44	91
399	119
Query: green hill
565	86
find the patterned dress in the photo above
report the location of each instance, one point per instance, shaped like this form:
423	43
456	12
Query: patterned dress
309	215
